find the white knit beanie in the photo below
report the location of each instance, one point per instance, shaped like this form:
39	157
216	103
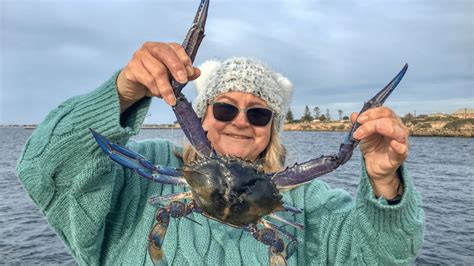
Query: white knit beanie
243	75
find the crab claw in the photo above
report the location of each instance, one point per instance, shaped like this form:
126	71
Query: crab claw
345	151
188	120
193	39
138	163
378	99
307	171
196	33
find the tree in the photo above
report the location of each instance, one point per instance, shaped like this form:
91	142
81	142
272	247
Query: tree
408	118
306	115
340	114
322	118
328	115
317	112
289	116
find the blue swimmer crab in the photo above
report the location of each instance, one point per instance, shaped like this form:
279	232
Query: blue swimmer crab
230	190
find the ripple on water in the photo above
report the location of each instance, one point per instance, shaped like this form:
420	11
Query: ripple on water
439	167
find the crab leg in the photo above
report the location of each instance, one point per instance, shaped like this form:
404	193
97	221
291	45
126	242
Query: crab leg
268	224
278	251
156	200
269	237
292	209
307	171
175	209
293	224
188	120
157	236
275	258
139	164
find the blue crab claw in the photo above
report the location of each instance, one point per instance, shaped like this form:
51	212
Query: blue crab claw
138	163
345	151
307	171
188	120
196	33
378	100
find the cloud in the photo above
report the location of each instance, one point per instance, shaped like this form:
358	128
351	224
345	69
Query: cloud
337	53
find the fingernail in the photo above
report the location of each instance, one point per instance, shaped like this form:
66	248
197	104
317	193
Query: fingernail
172	101
190	70
396	144
182	77
358	133
362	118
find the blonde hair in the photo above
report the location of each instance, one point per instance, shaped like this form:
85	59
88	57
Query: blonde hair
271	160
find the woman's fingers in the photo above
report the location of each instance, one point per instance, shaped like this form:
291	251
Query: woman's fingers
184	57
382	121
353	117
387	127
401	149
148	73
375	113
168	57
197	73
158	78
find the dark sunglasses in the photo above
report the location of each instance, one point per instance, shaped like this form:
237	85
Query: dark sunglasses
257	116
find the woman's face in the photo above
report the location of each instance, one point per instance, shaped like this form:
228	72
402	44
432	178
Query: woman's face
237	137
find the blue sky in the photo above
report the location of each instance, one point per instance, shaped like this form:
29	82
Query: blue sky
337	53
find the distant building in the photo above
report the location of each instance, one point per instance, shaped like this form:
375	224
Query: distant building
464	113
438	114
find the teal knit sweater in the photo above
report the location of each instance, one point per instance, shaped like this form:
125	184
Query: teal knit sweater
100	209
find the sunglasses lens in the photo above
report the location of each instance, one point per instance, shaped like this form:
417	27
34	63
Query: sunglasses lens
259	116
227	112
224	112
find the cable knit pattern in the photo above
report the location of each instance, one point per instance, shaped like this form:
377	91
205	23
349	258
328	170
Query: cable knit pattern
101	213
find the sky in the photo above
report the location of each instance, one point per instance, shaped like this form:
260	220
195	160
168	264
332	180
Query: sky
337	53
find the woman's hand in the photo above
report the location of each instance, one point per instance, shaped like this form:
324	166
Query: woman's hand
147	73
384	145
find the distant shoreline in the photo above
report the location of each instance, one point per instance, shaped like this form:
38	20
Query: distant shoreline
426	129
430	129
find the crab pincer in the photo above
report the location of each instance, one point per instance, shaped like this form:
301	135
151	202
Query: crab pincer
307	171
188	120
138	163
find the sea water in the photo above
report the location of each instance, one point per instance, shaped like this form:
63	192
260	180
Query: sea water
442	170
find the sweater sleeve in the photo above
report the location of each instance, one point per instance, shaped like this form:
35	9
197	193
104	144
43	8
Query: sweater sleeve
367	231
67	175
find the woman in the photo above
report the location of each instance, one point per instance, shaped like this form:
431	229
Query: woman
100	210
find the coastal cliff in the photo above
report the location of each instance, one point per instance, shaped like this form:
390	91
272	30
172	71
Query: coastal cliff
458	128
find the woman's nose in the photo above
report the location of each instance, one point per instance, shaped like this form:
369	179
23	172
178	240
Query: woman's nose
241	120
